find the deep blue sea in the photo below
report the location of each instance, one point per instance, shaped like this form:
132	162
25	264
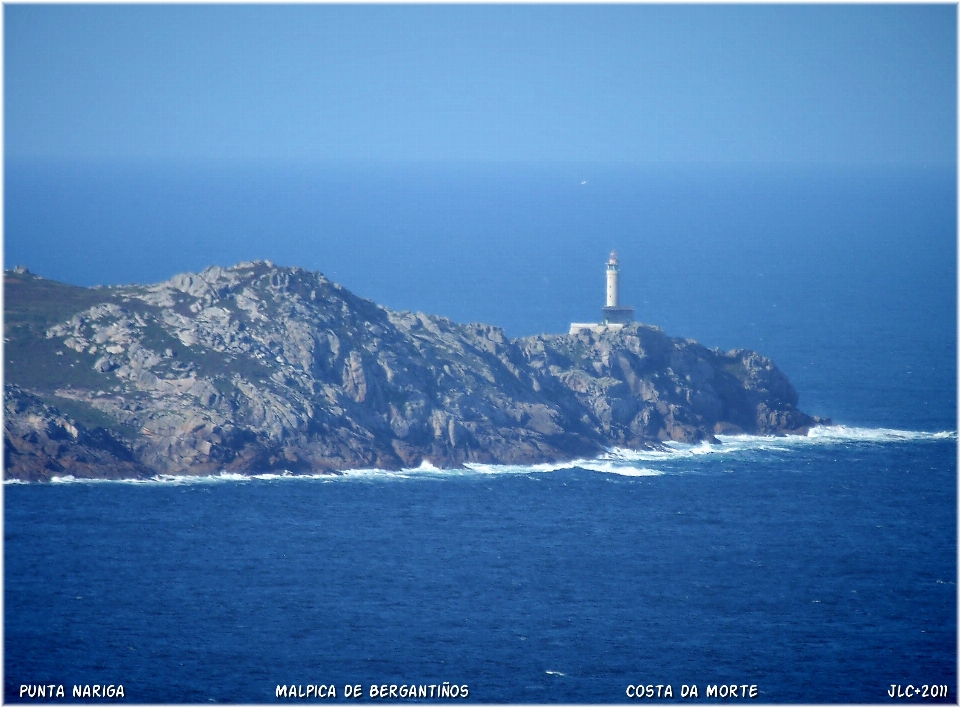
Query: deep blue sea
820	569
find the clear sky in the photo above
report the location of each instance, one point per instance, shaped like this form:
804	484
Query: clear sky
630	83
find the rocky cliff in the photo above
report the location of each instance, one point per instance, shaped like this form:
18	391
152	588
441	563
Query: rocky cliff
258	367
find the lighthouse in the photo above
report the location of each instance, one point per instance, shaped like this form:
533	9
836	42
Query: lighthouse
614	316
613	313
613	280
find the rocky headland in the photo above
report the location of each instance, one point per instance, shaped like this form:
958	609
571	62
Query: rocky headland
257	367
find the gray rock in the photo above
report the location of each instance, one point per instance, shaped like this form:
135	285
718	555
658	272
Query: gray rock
258	367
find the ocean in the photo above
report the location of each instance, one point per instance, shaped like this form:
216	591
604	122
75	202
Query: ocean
817	569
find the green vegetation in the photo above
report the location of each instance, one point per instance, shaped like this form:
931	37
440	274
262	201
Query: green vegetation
87	415
37	363
31	306
735	369
38	303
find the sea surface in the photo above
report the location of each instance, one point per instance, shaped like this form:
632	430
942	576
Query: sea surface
820	568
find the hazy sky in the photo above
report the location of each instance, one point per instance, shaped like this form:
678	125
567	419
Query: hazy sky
629	83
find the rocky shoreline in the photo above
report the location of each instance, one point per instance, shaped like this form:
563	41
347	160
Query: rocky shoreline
258	368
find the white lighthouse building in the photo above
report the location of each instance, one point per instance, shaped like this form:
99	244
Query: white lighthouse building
614	316
613	313
613	280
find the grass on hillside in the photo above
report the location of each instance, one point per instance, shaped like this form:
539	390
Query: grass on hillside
31	305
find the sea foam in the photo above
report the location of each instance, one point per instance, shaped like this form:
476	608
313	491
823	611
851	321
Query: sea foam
817	436
620	461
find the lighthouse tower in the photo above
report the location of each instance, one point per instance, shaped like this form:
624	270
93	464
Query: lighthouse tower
613	313
613	280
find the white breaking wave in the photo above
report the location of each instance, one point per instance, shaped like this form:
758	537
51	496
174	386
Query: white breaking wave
610	467
623	462
426	470
494	469
879	434
818	436
158	479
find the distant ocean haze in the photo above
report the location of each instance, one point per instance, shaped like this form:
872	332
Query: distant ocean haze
844	276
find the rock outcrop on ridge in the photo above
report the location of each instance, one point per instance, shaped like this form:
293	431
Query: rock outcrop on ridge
256	367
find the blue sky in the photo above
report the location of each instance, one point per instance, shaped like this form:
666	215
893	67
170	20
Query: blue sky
625	83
